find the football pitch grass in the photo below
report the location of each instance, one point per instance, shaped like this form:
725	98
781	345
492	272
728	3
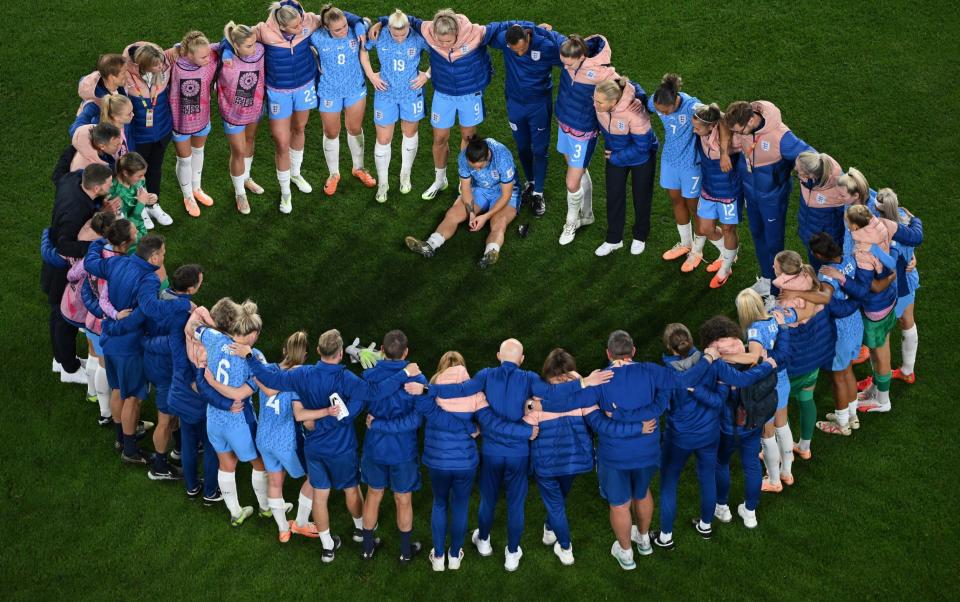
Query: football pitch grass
870	516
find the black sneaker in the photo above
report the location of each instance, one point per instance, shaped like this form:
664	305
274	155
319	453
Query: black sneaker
526	192
172	473
104	420
415	548
209	500
327	555
420	247
357	535
663	545
537	204
195	492
489	258
376	546
706	534
138	457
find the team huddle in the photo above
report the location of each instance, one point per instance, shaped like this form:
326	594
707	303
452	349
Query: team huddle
723	391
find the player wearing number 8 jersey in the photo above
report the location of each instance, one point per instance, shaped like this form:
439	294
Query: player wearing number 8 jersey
280	441
341	89
399	95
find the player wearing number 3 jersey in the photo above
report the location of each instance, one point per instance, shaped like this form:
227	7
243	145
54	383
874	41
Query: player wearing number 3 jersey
399	95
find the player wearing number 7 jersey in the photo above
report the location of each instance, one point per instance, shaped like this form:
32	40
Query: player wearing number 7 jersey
280	441
341	89
399	95
331	448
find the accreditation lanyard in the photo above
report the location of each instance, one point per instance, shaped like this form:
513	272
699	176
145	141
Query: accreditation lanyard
153	103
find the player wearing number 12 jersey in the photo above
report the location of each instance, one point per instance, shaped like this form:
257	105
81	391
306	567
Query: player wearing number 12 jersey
399	95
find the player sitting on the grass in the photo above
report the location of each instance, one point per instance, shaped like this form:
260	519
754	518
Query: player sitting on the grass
488	193
333	396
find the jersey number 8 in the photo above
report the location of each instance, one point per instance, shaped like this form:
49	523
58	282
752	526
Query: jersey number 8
341	59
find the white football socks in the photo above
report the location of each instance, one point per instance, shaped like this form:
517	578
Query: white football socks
574	203
296	161
304	506
283	177
698	242
196	166
355	144
408	151
279	511
910	339
228	487
184	171
331	153
381	159
586	187
771	458
238	184
686	234
103	391
248	163
436	240
258	478
785	441
90	367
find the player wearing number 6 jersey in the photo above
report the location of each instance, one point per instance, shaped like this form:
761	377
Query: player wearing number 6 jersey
341	89
399	95
226	385
331	448
280	441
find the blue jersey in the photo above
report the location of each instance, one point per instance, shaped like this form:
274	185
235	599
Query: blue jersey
228	369
679	138
499	170
277	429
847	267
399	64
764	332
340	71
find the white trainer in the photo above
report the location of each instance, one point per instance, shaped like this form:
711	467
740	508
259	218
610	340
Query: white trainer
569	232
78	377
286	204
56	367
159	215
431	193
454	563
147	220
301	184
624	557
435	563
381	196
607	248
637	247
483	545
565	556
511	560
749	516
722	513
549	537
405	185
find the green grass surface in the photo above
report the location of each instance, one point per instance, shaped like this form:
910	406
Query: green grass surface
873	84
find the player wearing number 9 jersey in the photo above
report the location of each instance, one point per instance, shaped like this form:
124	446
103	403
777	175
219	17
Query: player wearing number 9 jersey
341	89
227	385
280	441
399	95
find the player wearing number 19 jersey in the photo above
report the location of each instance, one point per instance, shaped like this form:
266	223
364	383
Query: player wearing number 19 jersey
399	95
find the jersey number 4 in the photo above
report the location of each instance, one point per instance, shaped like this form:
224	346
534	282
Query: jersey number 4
274	404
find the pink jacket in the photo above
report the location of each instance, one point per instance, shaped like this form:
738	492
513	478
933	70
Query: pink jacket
190	92
268	32
452	376
240	88
795	282
594	69
136	87
878	232
629	116
86	153
763	146
827	195
469	38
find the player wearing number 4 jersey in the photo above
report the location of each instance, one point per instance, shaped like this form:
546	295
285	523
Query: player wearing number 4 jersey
226	385
333	396
399	96
341	89
488	193
280	441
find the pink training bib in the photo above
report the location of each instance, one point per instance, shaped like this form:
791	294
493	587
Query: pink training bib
190	93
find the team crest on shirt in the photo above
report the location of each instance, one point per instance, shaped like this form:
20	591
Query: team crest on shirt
411	52
765	145
509	172
353	44
378	114
621	125
494	174
821	199
682	119
465	49
535	55
274	108
305	31
435	117
590	74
